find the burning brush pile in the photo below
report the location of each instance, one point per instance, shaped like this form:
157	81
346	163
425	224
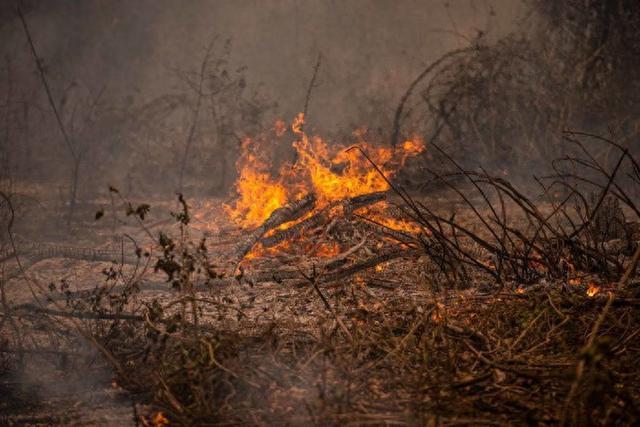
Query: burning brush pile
329	205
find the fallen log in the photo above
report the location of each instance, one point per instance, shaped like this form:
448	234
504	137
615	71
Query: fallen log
31	254
367	264
290	212
37	252
398	235
264	276
75	314
327	276
323	217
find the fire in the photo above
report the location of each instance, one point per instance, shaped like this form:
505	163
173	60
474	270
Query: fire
260	194
158	420
338	175
259	251
331	172
375	214
592	290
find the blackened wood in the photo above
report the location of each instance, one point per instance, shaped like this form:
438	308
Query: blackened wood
322	217
290	212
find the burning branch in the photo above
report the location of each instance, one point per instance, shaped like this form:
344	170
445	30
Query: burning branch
287	213
344	208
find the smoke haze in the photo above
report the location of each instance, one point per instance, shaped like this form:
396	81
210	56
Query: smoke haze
368	46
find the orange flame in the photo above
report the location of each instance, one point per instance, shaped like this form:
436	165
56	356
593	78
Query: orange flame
330	172
376	215
260	194
159	420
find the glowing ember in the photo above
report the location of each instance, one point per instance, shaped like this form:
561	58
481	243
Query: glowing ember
259	251
159	420
330	172
374	213
592	290
326	250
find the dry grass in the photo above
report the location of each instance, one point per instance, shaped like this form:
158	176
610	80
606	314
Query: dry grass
493	310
